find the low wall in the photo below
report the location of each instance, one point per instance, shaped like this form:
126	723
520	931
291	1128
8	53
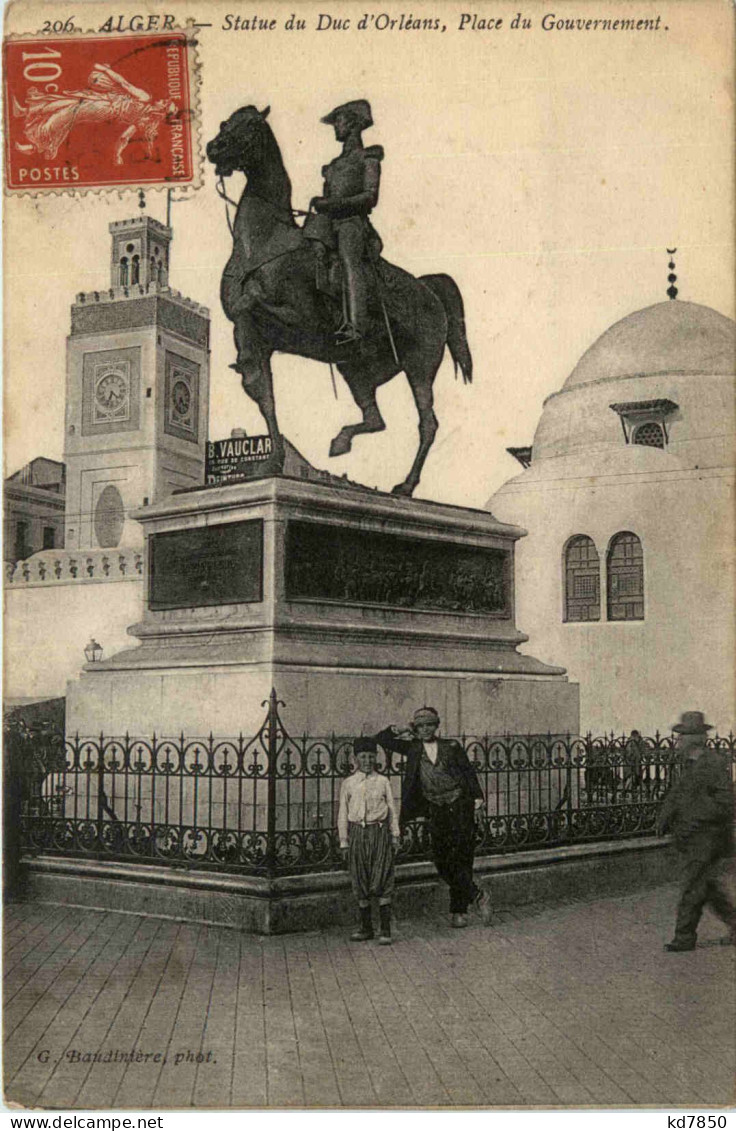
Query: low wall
299	903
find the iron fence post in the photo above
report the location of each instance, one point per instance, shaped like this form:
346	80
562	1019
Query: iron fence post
272	749
100	792
568	783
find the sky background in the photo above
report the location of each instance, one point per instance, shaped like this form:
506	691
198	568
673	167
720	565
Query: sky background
545	171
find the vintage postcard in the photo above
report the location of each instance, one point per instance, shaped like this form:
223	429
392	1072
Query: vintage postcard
369	555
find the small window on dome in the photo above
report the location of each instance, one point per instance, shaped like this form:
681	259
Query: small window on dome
582	580
645	422
649	435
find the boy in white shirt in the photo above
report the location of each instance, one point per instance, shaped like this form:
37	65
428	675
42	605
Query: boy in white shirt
368	827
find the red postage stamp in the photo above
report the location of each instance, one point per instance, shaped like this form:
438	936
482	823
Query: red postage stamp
96	111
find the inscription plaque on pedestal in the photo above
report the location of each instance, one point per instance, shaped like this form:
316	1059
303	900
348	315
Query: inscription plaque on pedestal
207	565
332	563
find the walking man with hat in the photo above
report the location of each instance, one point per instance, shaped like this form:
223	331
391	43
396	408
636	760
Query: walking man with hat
698	811
441	785
350	194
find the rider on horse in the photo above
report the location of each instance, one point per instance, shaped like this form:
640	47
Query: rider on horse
277	305
350	194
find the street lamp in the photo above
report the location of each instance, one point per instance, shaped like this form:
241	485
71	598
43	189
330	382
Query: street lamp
93	651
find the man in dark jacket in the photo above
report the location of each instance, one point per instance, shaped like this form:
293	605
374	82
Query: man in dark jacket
698	811
441	785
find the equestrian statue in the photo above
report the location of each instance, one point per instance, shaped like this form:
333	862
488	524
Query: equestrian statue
323	290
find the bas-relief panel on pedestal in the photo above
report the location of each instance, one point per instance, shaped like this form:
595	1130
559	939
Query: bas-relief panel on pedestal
223	564
325	562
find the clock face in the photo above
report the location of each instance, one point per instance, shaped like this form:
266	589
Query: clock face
181	415
111	394
181	398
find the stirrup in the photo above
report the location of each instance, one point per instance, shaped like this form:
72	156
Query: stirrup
347	333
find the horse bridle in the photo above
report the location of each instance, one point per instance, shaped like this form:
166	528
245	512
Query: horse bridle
220	186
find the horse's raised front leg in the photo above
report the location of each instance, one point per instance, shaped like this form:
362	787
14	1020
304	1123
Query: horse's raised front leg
363	387
254	366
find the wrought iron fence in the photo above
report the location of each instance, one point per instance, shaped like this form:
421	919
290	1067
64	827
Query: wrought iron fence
268	805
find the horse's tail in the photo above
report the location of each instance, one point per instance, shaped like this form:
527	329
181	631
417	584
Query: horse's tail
448	292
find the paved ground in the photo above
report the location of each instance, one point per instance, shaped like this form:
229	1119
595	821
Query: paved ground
571	1005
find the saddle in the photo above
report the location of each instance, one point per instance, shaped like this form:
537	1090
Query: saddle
317	237
329	275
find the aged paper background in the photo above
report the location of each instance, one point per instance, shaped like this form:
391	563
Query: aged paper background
545	170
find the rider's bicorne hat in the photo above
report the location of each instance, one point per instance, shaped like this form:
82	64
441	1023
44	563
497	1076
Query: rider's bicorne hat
360	110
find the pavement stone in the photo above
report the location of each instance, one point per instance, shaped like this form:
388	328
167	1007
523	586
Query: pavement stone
572	1004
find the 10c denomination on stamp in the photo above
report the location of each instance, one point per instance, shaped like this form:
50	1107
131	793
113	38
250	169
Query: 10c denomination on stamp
94	111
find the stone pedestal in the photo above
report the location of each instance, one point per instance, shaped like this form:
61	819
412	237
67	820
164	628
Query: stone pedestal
357	607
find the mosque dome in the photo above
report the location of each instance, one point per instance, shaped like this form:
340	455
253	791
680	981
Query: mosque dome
626	575
669	337
665	371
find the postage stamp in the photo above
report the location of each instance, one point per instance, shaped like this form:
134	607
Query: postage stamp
92	111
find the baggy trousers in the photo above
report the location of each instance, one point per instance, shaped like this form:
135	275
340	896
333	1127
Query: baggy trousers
701	887
452	836
371	861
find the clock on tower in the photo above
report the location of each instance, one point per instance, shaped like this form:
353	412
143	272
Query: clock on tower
112	395
137	391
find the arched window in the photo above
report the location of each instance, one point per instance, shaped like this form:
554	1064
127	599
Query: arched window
649	435
109	517
625	577
154	270
136	277
582	580
124	272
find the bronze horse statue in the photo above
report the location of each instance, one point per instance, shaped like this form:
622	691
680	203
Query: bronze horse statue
269	292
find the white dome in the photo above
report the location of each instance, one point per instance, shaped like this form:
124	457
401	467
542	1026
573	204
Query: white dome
670	337
676	352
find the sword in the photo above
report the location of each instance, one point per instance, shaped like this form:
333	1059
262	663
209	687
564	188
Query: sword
385	312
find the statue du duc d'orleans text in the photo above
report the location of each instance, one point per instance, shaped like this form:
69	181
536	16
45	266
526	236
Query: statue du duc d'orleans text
322	290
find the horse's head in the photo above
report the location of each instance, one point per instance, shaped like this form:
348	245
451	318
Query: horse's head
238	140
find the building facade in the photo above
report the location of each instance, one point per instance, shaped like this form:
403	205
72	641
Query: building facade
627	574
135	429
34	503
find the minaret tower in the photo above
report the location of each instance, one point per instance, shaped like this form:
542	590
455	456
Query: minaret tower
137	391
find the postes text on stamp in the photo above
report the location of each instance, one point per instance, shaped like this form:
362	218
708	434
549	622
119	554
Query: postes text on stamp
94	111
